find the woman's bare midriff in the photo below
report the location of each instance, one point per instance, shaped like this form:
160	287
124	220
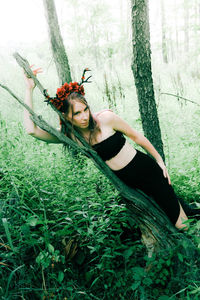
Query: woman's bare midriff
122	159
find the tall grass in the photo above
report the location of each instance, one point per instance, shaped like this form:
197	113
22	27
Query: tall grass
64	233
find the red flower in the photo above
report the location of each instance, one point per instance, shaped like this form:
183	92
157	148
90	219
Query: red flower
64	91
66	86
81	90
61	93
74	85
58	103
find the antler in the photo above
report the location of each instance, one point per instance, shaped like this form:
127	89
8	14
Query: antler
83	77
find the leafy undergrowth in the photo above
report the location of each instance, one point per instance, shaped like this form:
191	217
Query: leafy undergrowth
64	234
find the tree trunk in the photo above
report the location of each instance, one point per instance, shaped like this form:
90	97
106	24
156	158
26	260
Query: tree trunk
176	26
172	52
186	26
141	67
164	43
196	22
57	46
95	44
199	11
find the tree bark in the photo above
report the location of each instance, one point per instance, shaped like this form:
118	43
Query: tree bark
57	46
141	67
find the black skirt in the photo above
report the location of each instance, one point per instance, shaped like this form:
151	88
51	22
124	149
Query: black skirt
145	174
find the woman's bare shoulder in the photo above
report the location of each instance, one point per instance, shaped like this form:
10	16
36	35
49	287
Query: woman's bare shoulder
104	115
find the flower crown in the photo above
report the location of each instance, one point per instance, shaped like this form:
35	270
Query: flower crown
65	90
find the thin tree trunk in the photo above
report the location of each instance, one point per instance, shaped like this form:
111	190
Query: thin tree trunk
199	11
171	45
141	67
196	22
57	46
186	25
164	43
95	44
176	26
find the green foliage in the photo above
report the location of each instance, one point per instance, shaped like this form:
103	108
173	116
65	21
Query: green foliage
64	233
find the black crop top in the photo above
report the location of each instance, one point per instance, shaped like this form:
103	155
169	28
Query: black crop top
111	146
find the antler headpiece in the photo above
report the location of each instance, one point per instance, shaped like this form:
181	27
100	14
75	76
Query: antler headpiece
66	89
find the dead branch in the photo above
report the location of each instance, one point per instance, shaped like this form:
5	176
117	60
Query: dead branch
177	96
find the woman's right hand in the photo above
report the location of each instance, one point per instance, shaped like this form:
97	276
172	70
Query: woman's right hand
30	84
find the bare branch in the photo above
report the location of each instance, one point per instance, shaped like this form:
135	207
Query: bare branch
177	96
25	65
83	77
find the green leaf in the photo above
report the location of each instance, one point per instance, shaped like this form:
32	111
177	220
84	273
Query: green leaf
94	281
195	291
25	229
164	297
90	231
147	281
128	253
10	278
92	249
166	272
135	285
50	248
39	258
5	224
138	273
180	257
101	239
168	262
32	221
60	276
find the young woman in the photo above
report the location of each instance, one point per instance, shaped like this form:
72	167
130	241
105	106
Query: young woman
106	132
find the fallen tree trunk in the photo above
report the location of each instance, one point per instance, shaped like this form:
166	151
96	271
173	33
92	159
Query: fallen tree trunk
158	232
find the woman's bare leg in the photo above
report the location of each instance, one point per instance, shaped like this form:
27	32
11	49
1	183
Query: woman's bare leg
182	218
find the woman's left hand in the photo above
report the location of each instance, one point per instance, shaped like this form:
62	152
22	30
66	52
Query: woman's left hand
165	172
28	80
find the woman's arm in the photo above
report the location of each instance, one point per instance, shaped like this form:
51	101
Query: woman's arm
31	128
120	125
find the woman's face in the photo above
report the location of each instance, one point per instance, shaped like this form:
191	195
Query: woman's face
80	116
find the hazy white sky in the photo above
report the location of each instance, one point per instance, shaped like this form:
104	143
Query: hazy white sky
23	21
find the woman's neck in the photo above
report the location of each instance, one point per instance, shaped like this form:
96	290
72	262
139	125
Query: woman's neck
85	132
